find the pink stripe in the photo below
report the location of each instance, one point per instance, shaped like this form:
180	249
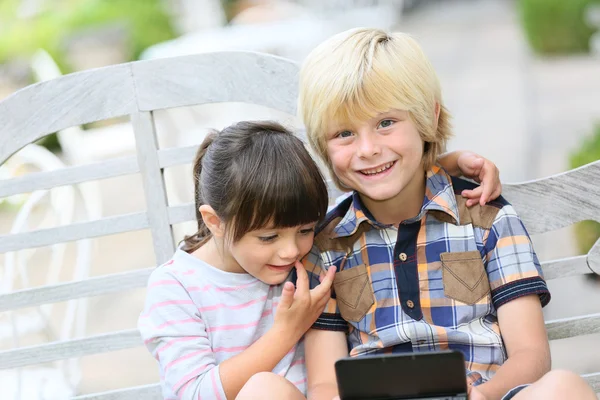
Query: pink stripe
232	327
229	349
180	322
164	304
206	288
235	307
169	343
183	358
189	376
164	283
214	384
299	382
183	389
297	362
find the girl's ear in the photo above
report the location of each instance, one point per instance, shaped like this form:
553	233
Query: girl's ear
212	221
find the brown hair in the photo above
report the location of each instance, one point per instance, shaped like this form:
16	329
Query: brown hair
254	174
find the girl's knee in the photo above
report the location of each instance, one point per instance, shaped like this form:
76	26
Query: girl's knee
267	385
561	384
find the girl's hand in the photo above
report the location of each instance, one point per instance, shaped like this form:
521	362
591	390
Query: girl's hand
298	309
475	394
484	172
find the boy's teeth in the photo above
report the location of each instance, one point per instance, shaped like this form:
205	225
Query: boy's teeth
377	170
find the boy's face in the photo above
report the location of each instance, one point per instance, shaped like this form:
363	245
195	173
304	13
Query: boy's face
380	157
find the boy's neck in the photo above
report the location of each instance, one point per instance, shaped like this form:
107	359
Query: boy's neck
407	204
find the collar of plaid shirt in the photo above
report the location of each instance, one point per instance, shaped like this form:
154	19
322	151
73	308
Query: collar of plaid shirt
439	197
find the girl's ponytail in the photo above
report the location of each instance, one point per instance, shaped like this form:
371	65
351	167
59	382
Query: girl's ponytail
195	241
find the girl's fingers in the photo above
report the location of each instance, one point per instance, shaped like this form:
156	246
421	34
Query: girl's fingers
325	286
287	296
302	278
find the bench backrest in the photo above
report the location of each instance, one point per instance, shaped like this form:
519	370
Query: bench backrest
139	88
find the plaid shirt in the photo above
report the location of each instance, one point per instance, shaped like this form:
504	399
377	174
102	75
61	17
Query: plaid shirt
434	283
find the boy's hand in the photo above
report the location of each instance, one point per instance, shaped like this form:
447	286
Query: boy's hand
298	309
484	172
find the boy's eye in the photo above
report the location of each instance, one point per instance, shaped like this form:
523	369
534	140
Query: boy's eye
386	123
344	134
267	239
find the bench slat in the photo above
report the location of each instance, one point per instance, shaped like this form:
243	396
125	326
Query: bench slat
574	326
146	392
77	231
177	156
565	267
558	201
75	99
39	354
215	78
68	176
154	185
74	290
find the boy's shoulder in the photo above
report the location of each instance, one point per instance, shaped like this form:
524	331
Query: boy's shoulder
327	235
477	215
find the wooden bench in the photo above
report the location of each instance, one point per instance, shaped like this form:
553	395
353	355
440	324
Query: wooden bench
139	88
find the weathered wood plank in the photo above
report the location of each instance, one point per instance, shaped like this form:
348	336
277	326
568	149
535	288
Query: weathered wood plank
557	201
565	267
177	156
574	326
68	176
80	230
95	286
182	213
154	185
217	77
146	392
31	355
71	100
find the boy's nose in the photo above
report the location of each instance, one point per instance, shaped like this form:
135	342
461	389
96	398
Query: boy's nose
367	146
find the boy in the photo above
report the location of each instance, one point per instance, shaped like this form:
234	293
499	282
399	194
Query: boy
418	270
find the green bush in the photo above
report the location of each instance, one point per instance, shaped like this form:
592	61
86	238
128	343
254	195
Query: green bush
556	26
147	22
587	232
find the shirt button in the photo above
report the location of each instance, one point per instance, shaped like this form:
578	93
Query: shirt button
402	257
410	304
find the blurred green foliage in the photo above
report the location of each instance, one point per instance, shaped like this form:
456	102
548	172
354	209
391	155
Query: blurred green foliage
147	22
587	232
556	26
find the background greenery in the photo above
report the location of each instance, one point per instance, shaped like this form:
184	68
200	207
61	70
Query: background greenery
147	22
588	231
556	26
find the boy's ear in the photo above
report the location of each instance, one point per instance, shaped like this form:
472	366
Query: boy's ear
437	113
212	221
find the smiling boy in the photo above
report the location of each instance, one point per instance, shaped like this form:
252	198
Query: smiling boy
418	270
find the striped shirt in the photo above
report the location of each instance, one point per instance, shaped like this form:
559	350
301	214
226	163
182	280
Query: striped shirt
196	316
434	283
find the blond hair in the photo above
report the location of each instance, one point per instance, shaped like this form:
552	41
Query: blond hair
360	73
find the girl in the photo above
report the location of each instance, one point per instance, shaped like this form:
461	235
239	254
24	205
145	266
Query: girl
223	308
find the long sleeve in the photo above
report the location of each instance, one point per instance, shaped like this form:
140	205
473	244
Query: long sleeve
176	335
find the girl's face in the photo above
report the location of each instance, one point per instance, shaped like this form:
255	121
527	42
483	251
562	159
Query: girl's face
269	254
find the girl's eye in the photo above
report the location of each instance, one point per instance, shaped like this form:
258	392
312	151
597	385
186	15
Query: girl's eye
386	123
345	134
307	231
267	239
